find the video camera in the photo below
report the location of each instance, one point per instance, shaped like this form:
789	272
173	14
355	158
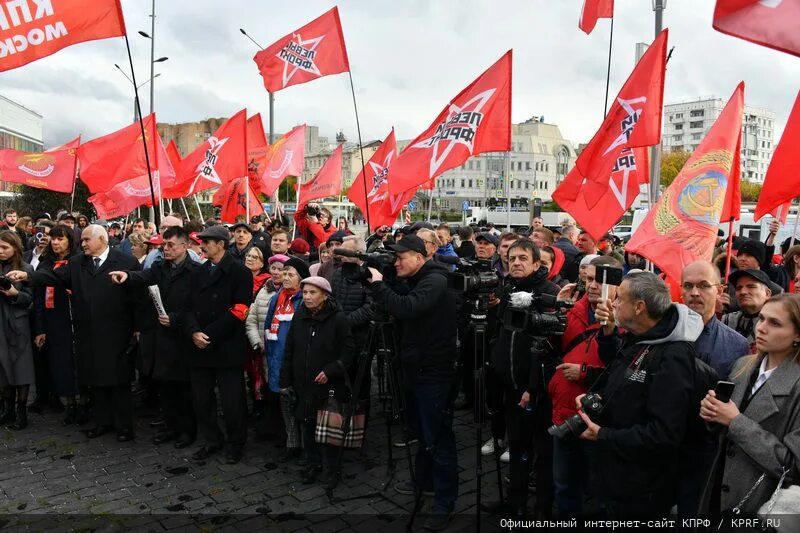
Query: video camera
471	276
377	260
539	315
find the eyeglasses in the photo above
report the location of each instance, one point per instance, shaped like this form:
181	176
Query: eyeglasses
431	242
702	286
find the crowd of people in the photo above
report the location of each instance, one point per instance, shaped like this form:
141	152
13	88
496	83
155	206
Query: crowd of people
616	414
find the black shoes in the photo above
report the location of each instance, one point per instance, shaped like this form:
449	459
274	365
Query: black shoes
165	436
98	431
437	522
7	413
125	435
233	456
205	452
158	422
21	421
71	415
310	474
184	441
407	488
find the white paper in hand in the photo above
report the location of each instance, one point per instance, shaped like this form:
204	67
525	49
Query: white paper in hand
155	295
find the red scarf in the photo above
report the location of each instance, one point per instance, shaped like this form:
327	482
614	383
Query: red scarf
259	281
284	309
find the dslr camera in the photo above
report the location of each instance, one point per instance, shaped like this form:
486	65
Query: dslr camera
5	283
592	405
312	211
539	315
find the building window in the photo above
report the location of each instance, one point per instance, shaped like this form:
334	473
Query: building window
527	165
470	184
697	136
677	138
696	124
678	115
469	165
697	113
462	183
478	164
678	127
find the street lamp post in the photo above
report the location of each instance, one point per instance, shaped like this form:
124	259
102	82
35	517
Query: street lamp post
655	172
135	108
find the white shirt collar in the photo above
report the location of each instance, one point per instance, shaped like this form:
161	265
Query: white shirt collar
763	375
103	256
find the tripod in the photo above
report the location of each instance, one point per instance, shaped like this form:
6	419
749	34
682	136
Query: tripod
381	343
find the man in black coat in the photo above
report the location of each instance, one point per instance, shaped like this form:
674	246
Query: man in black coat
569	236
517	384
104	322
172	348
648	397
221	291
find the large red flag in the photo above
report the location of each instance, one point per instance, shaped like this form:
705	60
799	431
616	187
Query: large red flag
315	50
174	155
682	227
286	158
593	10
53	170
634	120
222	158
383	207
233	198
771	23
477	120
782	182
118	157
37	29
327	182
257	150
623	187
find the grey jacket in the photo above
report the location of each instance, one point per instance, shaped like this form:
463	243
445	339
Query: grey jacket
755	441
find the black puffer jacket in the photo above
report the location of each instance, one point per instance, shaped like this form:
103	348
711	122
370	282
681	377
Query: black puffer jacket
315	343
425	313
512	363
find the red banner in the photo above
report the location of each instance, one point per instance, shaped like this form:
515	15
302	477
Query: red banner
771	23
327	182
593	10
174	155
782	182
232	197
477	120
31	30
313	51
257	150
683	225
53	170
286	158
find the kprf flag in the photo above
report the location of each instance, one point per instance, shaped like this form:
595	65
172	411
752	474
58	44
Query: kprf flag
634	120
593	10
315	50
119	157
33	29
623	187
683	225
52	170
382	206
257	150
327	182
771	23
222	158
782	182
233	199
285	158
477	120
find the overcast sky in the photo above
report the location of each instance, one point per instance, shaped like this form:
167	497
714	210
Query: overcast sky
408	59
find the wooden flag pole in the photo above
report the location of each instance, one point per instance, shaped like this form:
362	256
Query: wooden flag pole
730	251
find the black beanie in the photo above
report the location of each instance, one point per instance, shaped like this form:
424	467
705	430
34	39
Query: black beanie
755	248
299	265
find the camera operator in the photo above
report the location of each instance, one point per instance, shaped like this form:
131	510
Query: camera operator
647	397
314	224
522	384
425	314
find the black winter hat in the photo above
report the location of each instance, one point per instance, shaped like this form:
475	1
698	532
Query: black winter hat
755	248
299	265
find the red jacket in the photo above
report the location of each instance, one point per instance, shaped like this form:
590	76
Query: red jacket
315	234
562	391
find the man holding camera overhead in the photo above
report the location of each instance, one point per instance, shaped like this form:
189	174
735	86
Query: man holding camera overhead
647	396
522	377
425	314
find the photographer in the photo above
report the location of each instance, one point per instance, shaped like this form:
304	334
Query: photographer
522	381
426	325
646	393
314	224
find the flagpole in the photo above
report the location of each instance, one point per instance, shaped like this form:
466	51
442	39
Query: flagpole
199	211
247	198
796	220
141	126
360	144
608	69
72	199
730	250
508	191
185	210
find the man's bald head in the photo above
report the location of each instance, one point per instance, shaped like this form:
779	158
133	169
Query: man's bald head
700	288
705	267
170	221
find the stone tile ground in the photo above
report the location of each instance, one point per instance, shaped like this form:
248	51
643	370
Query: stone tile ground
54	478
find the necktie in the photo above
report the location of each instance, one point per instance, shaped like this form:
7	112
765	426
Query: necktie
96	263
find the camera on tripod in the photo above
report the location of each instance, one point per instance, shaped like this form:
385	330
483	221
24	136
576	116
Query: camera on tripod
473	277
531	314
377	260
592	405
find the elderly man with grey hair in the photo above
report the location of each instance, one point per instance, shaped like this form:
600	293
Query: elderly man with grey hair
647	397
103	323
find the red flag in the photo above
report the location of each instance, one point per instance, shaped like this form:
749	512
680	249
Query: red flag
222	158
327	182
593	10
257	150
634	120
118	157
623	188
33	30
682	227
286	158
771	23
782	182
477	120
315	50
74	143
174	155
383	206
233	198
53	170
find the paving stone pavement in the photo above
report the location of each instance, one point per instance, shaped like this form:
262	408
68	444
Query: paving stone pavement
54	478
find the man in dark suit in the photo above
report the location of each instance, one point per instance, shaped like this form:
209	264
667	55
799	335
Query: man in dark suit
103	319
221	291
